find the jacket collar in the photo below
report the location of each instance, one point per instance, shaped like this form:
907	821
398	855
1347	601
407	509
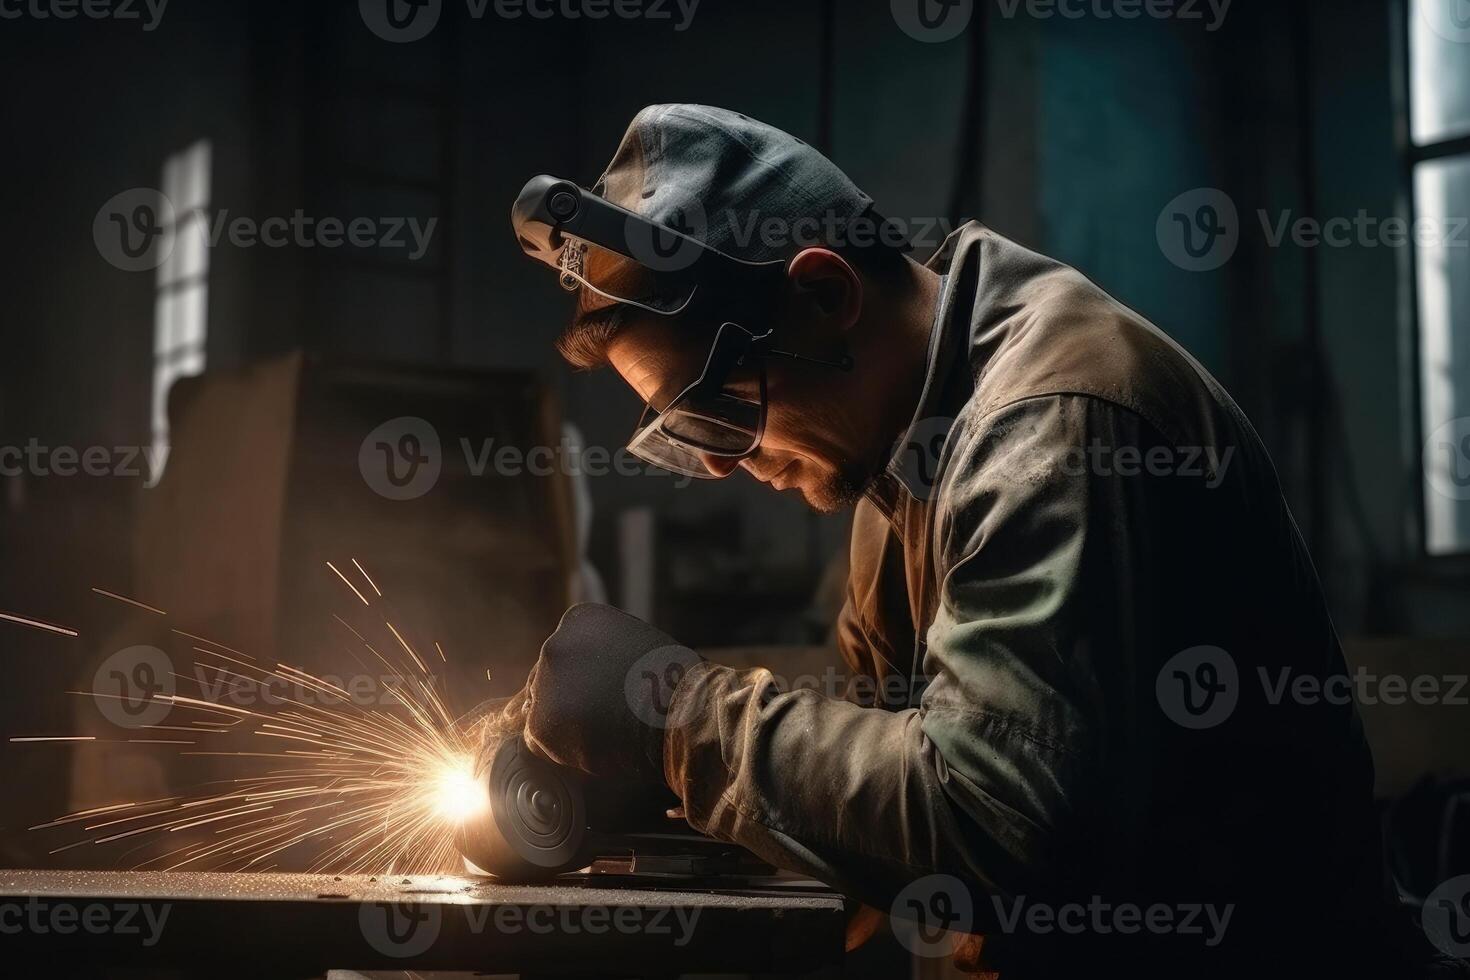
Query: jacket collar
911	472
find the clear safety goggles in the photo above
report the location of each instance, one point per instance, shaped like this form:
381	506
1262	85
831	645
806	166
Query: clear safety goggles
612	256
708	419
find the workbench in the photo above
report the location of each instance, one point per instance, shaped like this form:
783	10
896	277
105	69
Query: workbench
301	925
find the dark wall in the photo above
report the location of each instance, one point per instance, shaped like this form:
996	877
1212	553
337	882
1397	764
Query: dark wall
1091	127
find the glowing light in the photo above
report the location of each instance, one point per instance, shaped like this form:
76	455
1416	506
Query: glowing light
331	782
458	795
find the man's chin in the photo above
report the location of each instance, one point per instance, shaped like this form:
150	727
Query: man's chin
833	495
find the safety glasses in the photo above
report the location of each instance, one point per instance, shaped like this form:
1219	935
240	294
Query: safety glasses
711	418
613	256
707	418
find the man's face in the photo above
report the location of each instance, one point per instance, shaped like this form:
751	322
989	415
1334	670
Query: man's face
810	441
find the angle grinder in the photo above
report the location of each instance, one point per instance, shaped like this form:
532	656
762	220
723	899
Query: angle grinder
544	820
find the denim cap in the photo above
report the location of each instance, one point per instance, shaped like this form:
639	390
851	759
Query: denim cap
729	170
730	182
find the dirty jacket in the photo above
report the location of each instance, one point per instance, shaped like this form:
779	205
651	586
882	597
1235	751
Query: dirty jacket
1074	591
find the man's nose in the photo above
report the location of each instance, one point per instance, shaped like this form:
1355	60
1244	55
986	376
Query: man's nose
720	466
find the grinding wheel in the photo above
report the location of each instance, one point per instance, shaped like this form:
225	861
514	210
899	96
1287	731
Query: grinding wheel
536	824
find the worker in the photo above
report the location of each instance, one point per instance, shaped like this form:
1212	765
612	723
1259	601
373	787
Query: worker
1084	610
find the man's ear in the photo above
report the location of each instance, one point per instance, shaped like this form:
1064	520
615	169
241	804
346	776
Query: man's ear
826	289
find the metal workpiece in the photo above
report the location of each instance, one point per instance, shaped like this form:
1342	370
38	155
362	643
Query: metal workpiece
302	925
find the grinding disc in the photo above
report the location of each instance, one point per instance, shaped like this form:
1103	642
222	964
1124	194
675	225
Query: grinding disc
536	826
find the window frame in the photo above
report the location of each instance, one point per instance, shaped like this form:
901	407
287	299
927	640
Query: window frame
1411	155
172	356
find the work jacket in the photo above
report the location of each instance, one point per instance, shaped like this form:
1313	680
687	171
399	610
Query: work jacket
1084	630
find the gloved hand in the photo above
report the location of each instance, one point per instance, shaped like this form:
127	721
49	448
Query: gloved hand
599	696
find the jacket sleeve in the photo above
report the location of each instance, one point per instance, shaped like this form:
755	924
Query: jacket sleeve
986	778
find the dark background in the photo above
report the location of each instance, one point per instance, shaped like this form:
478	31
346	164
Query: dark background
1067	135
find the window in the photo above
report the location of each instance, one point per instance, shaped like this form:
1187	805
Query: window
1438	188
180	309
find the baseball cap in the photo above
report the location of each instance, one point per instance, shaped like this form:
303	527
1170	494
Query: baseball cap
725	181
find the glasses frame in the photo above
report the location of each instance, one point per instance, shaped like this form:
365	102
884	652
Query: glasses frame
551	210
724	357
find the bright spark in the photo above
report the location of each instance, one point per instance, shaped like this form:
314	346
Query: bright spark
54	738
372	788
458	795
36	623
369	578
131	602
349	584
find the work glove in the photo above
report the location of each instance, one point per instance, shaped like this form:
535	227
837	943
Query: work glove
599	698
